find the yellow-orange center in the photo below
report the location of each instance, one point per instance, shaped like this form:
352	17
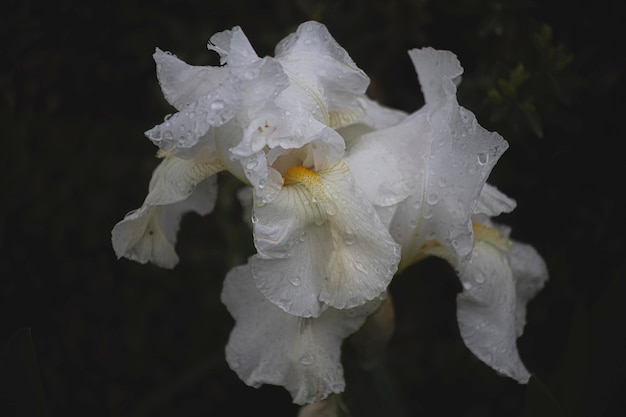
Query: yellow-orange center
492	236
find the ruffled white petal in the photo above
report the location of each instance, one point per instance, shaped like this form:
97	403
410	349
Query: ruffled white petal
325	80
233	47
321	243
439	73
446	164
182	84
269	346
379	116
178	186
487	309
493	202
249	87
390	164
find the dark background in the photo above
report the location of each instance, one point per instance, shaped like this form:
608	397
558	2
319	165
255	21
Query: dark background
115	338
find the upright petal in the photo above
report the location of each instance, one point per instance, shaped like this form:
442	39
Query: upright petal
321	243
182	84
178	186
269	346
439	73
487	308
493	202
233	47
323	74
453	156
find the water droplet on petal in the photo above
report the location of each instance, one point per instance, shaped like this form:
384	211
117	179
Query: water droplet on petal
480	278
467	285
295	280
432	199
217	105
306	359
483	158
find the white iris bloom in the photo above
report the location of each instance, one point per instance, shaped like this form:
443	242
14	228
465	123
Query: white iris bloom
269	346
432	193
341	192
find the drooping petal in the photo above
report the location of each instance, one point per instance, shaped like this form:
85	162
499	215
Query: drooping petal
182	84
178	186
269	346
530	273
487	308
321	243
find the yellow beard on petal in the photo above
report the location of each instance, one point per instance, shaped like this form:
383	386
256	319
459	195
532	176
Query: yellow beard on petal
311	192
491	236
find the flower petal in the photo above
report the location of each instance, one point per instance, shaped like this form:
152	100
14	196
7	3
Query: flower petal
453	156
389	164
320	243
487	308
233	47
182	83
269	346
530	273
492	202
178	186
322	73
439	73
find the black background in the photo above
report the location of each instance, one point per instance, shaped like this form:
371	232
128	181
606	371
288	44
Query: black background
115	338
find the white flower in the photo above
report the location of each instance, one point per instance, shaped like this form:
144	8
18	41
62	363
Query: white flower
178	186
340	192
320	243
500	278
430	167
269	346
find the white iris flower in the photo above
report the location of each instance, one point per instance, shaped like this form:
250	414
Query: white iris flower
432	192
341	192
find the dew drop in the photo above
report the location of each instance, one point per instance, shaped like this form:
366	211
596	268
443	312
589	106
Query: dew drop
295	281
467	285
359	266
330	209
480	278
252	164
432	199
306	359
483	158
254	219
217	105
